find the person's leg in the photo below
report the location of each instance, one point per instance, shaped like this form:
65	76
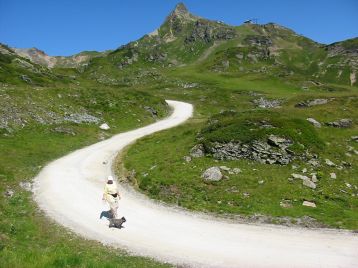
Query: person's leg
114	208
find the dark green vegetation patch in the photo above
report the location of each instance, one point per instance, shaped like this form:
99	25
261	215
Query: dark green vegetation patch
250	126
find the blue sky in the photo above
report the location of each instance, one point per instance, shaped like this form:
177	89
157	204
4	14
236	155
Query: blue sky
66	27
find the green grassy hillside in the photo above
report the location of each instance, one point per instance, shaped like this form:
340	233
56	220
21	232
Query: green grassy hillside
246	83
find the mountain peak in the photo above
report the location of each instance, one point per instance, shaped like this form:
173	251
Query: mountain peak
180	9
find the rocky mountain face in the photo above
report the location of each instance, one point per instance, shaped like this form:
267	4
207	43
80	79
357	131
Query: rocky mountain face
347	54
16	69
40	57
268	49
186	39
37	56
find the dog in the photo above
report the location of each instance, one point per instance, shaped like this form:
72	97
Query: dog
117	223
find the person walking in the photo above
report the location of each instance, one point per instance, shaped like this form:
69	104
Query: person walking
111	195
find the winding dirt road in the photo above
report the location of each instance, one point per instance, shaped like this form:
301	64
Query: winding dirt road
69	190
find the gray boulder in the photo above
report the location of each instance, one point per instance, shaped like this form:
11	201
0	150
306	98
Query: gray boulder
197	151
212	174
309	204
330	163
286	203
314	122
104	126
342	123
314	162
309	103
307	182
187	158
236	170
278	141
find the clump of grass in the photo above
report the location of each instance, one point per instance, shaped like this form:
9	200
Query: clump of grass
247	127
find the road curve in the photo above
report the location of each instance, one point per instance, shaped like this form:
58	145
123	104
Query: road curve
69	190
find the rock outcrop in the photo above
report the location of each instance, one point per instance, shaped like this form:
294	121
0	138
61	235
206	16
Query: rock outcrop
310	103
342	123
197	151
265	103
275	150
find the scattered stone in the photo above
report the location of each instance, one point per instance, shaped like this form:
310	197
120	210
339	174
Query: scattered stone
309	103
333	175
314	122
294	167
104	126
278	141
26	78
27	186
9	193
153	167
354	138
342	123
309	204
225	168
314	177
307	182
346	164
270	161
152	111
286	203
330	163
299	176
64	130
81	118
314	162
212	174
236	170
261	182
304	170
348	185
232	189
246	194
264	103
197	151
187	158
